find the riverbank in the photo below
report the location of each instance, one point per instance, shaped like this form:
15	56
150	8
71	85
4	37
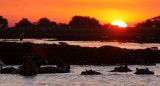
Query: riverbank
85	34
12	53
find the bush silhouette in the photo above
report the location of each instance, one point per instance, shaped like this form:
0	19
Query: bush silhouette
3	22
45	22
84	22
63	25
150	23
23	23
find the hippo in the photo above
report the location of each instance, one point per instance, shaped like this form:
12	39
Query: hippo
121	69
143	71
90	72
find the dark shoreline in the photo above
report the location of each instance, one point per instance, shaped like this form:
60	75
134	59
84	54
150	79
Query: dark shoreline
85	34
12	54
123	41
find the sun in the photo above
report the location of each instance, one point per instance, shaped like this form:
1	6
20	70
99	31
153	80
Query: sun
119	23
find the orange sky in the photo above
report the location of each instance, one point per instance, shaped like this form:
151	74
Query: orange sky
130	11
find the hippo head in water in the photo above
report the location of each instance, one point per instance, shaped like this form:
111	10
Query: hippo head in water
29	67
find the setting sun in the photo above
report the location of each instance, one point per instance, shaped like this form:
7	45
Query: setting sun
119	23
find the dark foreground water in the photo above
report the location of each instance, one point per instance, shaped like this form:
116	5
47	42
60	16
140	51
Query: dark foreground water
75	79
128	45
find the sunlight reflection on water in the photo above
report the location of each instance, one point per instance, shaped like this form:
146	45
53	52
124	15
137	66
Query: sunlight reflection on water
75	79
128	45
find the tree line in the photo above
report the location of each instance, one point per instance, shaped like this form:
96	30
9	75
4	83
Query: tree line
149	23
76	22
3	22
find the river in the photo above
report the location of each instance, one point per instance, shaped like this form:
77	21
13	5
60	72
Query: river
75	79
128	45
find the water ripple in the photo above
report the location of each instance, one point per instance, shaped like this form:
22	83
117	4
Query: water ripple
75	79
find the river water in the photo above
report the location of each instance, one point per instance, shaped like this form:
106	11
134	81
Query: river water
75	79
128	45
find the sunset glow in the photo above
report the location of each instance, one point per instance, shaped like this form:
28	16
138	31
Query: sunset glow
130	11
119	23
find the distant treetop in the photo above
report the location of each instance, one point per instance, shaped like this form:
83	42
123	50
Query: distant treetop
45	22
84	22
150	23
24	23
3	22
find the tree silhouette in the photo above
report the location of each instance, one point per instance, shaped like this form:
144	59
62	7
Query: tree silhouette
45	22
24	23
150	23
84	22
63	25
3	22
